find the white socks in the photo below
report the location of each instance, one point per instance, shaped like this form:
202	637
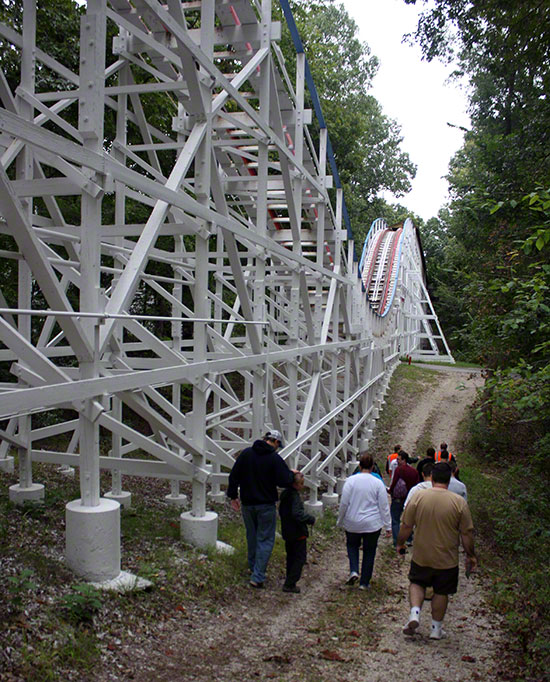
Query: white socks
415	613
437	625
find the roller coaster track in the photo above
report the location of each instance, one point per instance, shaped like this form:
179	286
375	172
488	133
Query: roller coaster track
177	277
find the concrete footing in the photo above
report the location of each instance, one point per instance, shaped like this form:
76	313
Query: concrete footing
329	499
7	465
179	500
66	470
200	531
217	498
124	498
224	548
19	495
314	508
124	582
351	467
92	539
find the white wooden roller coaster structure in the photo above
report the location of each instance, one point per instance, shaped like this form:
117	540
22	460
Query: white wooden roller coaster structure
263	319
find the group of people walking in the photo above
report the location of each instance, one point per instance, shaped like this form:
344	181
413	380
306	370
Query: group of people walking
429	502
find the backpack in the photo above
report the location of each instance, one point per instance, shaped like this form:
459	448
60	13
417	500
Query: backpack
400	491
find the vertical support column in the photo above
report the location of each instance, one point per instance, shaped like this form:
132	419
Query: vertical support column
198	526
264	77
92	523
116	493
216	494
26	490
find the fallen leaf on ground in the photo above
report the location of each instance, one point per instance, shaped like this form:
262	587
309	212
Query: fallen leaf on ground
389	651
331	655
469	659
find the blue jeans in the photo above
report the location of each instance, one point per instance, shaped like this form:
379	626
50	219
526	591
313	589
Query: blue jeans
396	509
353	542
260	521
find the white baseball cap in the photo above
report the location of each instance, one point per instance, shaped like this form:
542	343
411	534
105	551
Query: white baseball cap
273	434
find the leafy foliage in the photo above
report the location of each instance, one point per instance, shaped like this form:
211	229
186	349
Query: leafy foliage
18	586
81	605
492	281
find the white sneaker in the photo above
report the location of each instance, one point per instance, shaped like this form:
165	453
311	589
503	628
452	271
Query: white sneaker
353	578
411	626
438	634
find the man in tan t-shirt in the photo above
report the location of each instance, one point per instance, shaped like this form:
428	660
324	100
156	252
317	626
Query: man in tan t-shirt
440	520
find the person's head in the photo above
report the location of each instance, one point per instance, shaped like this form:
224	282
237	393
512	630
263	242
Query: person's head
402	457
430	452
427	471
397	448
366	462
453	466
298	480
274	438
441	473
444	456
443	446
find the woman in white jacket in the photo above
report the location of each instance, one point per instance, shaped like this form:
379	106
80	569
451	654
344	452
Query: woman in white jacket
364	511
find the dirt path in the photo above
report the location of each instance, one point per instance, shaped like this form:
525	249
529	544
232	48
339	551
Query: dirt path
330	632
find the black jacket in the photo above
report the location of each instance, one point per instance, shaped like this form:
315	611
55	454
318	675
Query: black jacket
294	518
258	471
421	464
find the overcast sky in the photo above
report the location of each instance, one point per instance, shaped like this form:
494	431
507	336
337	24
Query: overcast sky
415	94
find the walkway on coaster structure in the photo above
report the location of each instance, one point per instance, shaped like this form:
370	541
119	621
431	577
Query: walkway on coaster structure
211	208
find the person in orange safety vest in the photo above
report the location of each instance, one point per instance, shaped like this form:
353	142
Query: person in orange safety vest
446	456
391	457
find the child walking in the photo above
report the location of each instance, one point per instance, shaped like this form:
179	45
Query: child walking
294	523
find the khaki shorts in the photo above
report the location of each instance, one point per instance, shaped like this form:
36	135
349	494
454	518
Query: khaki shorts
443	580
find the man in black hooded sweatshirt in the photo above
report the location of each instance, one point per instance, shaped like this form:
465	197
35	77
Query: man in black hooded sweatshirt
258	471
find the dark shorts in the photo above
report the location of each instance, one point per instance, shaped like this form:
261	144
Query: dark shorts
443	580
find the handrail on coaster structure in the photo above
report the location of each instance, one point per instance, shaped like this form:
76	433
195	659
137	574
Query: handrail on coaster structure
212	208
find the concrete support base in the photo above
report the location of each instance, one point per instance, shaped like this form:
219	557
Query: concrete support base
314	508
340	485
200	531
19	495
351	467
329	500
124	582
224	548
92	541
66	471
124	498
180	500
6	465
217	498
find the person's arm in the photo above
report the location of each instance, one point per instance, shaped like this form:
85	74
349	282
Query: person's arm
234	480
404	534
384	508
344	503
467	538
284	477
